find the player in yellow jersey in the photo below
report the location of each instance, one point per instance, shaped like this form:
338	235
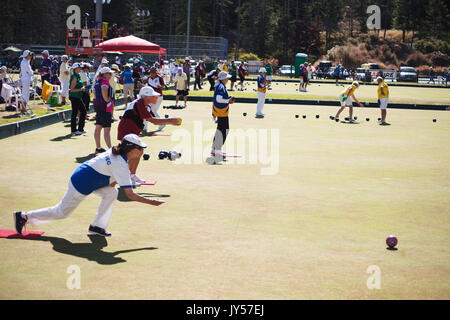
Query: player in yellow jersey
345	99
383	99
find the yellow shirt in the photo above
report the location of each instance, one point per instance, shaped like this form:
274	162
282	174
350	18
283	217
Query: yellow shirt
225	68
349	91
385	90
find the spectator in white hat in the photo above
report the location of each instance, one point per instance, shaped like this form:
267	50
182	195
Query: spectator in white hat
44	68
133	121
261	92
187	71
64	77
104	105
76	98
220	110
181	86
104	63
99	176
26	74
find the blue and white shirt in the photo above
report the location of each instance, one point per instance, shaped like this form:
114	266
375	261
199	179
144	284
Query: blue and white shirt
100	172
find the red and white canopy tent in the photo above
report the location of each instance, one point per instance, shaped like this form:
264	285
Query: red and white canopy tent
131	44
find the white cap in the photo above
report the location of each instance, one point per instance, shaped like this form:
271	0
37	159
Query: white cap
115	67
224	75
380	78
148	91
104	61
262	70
76	65
105	70
187	58
65	57
45	52
26	53
355	83
134	139
3	68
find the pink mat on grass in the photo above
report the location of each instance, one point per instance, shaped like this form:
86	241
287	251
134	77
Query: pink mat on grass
12	234
158	134
148	183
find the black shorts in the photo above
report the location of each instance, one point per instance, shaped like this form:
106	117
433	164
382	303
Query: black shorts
103	118
183	93
242	78
233	79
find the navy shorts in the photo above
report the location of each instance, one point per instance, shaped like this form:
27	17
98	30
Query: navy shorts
182	93
103	118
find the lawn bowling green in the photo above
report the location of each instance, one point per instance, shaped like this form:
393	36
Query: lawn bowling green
329	91
310	231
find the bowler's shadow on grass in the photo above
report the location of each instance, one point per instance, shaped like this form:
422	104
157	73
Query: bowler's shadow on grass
61	138
90	251
85	158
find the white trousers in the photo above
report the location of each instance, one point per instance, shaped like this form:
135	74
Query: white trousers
65	88
260	104
25	90
70	202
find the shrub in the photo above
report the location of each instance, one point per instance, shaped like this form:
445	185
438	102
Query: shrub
248	57
416	59
438	59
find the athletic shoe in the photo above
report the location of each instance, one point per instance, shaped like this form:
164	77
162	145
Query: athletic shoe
384	123
78	133
19	221
99	231
259	116
99	150
351	120
135	178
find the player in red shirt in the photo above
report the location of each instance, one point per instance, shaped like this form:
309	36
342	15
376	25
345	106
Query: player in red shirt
133	122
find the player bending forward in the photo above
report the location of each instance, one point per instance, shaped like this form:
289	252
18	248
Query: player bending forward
98	175
346	101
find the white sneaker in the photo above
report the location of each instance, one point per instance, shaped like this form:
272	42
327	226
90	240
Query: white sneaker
78	133
136	181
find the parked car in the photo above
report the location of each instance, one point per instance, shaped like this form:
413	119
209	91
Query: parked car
370	66
360	74
330	74
407	74
323	68
287	70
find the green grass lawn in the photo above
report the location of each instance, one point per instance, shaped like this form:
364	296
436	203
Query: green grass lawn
309	231
331	92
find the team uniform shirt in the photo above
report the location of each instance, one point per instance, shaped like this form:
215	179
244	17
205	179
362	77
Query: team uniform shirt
345	97
349	91
62	69
268	70
78	85
132	120
127	77
385	90
46	64
221	101
100	172
180	80
261	85
25	70
233	70
156	83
